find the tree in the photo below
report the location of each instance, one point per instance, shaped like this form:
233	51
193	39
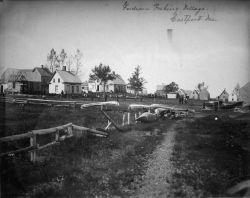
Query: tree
69	62
201	86
172	87
136	81
78	57
53	59
62	59
103	74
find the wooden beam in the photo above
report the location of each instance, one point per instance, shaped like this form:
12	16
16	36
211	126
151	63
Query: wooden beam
50	130
15	137
111	120
18	151
80	128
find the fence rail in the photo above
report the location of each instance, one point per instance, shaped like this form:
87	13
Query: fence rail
70	130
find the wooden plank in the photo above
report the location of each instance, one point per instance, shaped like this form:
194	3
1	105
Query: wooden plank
80	128
47	145
109	123
111	120
33	144
18	151
51	130
15	137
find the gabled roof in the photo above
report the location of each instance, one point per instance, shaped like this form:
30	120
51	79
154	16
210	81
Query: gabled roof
224	92
8	74
43	71
245	93
28	75
196	91
68	77
118	80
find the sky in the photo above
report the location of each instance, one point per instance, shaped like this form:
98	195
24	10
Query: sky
210	39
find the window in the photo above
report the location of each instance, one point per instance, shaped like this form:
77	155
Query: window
54	80
56	88
77	89
14	85
58	79
68	88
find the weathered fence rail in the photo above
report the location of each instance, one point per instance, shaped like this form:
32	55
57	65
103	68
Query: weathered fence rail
25	101
69	130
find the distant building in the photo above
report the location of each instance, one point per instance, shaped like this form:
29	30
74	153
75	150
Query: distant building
172	95
117	85
65	82
204	94
234	96
161	90
223	96
186	93
244	93
85	87
129	89
27	81
144	91
194	95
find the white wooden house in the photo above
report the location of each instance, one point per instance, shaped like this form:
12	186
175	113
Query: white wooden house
117	85
66	82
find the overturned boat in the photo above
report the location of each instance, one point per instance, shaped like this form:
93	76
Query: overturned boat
96	104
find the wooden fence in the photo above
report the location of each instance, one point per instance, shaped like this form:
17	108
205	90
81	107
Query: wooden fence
24	101
69	130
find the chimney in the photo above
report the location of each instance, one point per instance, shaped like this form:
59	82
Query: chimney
42	66
170	34
64	68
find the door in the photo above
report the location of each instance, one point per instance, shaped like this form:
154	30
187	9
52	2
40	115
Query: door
72	87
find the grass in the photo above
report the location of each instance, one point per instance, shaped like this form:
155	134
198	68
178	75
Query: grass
209	158
85	167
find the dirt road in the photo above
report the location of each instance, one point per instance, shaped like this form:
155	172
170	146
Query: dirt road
156	182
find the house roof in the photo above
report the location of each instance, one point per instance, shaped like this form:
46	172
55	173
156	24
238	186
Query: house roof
85	83
68	77
160	87
43	71
28	75
224	92
8	74
118	80
244	93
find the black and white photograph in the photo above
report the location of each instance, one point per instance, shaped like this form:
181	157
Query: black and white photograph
124	98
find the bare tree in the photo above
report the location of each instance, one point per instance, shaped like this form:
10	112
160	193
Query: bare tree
78	57
62	59
69	62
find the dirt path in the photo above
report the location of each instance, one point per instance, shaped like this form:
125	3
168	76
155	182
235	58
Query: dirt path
158	175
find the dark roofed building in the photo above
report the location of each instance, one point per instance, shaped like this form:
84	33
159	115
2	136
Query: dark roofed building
31	81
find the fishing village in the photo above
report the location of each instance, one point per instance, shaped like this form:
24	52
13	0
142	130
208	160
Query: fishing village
106	109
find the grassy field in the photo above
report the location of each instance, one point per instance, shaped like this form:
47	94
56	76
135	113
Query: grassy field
85	167
207	155
210	156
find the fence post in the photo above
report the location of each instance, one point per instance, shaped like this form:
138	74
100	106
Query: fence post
123	119
57	135
135	117
128	118
70	130
33	143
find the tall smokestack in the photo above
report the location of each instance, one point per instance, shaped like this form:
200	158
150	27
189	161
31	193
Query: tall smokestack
170	34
